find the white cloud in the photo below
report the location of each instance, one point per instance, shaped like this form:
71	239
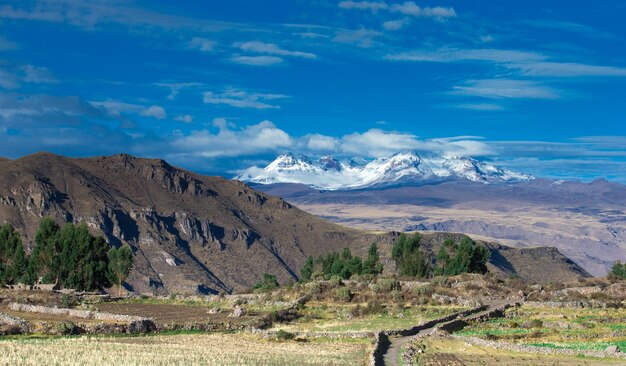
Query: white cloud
37	74
317	142
117	109
378	143
525	62
154	111
175	88
360	37
257	60
243	99
272	49
506	88
251	140
202	44
393	25
480	106
185	118
412	9
407	8
364	5
560	69
457	54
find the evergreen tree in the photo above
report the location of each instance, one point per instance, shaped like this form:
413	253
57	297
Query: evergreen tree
269	283
120	263
372	263
410	259
307	270
13	265
618	271
442	261
83	259
44	259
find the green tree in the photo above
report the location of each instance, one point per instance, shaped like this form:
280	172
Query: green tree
307	270
410	259
13	263
83	258
442	261
618	271
467	257
269	283
120	263
372	264
44	259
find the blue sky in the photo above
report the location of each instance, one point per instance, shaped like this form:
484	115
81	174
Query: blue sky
536	86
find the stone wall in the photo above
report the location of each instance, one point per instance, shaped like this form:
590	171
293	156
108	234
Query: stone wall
121	323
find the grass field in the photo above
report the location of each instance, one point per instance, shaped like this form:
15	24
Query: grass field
588	329
329	317
453	352
181	349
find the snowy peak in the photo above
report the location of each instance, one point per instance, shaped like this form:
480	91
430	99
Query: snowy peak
406	167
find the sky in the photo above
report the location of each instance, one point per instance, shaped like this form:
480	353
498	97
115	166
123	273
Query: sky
219	86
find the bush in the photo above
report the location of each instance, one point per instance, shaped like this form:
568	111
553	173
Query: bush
282	335
67	328
269	283
536	323
396	295
343	294
386	285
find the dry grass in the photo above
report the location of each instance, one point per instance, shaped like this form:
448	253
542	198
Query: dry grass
185	349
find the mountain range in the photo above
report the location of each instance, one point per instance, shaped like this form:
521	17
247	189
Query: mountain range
329	173
198	234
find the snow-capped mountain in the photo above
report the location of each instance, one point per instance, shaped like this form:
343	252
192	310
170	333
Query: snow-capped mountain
328	173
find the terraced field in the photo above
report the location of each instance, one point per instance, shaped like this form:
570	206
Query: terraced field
181	349
584	329
334	317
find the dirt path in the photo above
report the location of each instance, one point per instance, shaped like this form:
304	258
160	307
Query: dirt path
393	354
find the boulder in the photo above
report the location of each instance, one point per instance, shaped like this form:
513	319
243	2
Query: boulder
612	349
238	312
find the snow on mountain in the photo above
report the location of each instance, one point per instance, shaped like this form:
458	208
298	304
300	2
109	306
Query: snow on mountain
408	167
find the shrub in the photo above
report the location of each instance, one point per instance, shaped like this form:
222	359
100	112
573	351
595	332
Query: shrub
269	283
343	294
67	328
386	285
396	295
282	335
536	323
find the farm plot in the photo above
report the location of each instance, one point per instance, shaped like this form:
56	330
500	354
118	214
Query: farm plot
366	317
583	329
181	349
455	352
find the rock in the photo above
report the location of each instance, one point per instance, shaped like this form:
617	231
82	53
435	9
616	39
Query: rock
612	349
238	312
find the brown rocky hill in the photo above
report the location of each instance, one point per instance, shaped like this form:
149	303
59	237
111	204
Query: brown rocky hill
192	233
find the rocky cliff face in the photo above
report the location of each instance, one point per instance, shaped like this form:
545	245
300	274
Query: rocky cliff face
189	233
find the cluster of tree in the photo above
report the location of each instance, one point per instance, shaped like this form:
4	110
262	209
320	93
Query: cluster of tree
344	265
618	271
464	257
452	259
67	255
269	283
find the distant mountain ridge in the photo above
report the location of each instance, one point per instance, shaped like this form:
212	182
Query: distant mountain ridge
409	167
